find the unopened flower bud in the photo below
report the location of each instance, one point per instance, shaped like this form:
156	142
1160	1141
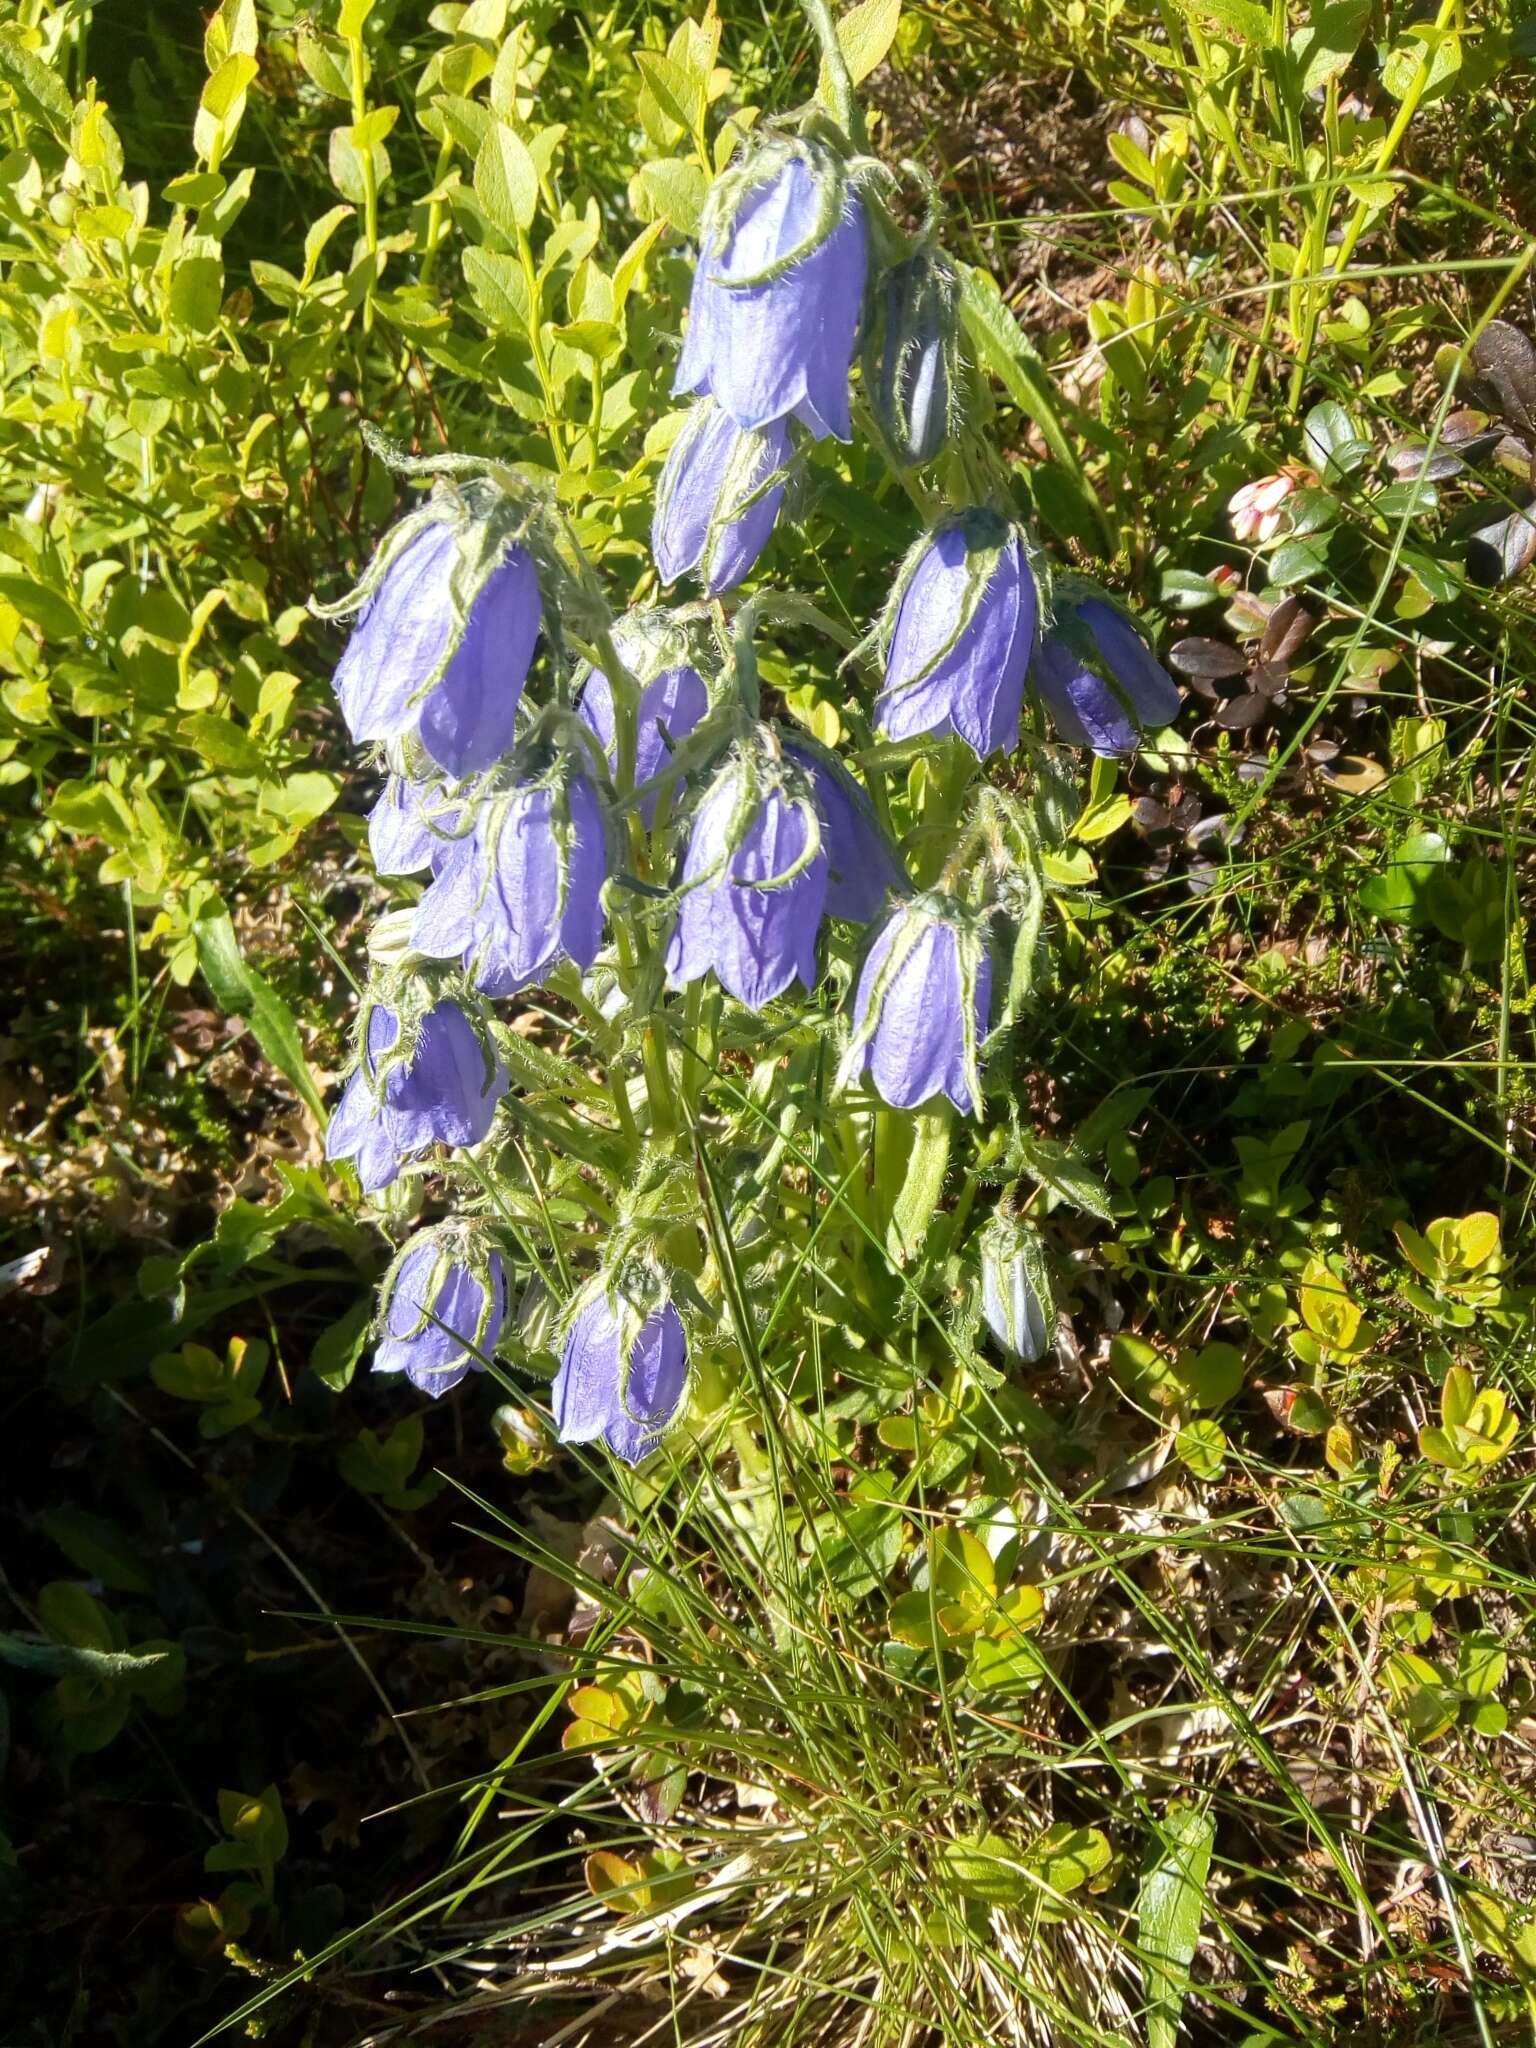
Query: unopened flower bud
1016	1288
1257	511
908	371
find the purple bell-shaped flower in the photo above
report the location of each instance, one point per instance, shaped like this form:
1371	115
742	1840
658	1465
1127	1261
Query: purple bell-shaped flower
522	889
779	293
442	643
441	1309
1099	680
440	1087
963	635
673	698
720	492
754	883
622	1376
409	827
863	868
921	1007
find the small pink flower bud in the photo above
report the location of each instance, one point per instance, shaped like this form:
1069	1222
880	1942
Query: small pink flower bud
1256	511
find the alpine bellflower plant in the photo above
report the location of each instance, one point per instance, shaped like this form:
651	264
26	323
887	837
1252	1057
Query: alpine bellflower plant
605	808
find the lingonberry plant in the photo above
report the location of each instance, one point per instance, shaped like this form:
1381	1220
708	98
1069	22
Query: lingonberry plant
740	934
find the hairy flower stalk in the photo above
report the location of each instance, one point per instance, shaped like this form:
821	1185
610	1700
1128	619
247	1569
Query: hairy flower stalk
1100	682
963	630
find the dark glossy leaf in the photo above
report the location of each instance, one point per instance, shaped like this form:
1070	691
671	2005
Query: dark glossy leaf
1148	815
1290	625
1334	442
1270	681
1199	658
1499	553
1412	461
1243	713
1503	374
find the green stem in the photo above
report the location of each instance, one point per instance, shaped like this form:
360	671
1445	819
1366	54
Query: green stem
1391	143
358	62
841	97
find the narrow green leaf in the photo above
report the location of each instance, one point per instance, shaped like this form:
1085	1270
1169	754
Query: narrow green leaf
1001	346
1170	1908
241	992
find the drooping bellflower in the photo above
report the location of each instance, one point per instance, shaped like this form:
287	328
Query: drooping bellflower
673	698
720	492
522	889
441	1309
862	866
1015	1288
779	292
1101	683
921	1007
963	634
439	1087
754	882
622	1376
442	642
